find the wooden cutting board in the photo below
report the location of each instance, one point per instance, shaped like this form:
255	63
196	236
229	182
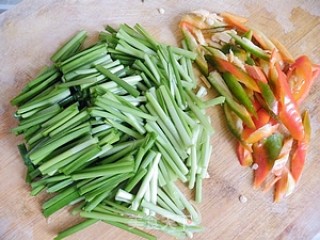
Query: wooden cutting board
30	33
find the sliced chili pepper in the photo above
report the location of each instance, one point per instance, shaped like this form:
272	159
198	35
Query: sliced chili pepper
261	133
259	99
300	152
281	187
263	40
288	110
234	123
242	55
269	98
263	117
273	146
225	66
190	22
248	34
226	48
260	157
273	85
186	26
307	126
218	83
271	183
280	163
244	156
238	91
272	72
250	47
266	92
218	53
256	73
301	77
238	23
235	21
286	55
246	132
249	61
241	112
192	46
264	154
285	186
257	105
298	160
279	166
250	135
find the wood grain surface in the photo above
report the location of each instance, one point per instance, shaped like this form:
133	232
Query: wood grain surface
30	33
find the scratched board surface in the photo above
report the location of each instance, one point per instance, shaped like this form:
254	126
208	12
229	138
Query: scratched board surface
30	33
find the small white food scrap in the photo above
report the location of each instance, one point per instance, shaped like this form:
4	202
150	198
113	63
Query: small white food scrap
243	199
255	166
161	10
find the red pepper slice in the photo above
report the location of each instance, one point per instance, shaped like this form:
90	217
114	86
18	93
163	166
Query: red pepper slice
285	54
261	133
244	156
257	105
256	73
301	77
264	154
281	187
272	72
235	21
242	76
266	92
288	110
238	23
285	186
283	157
300	152
234	123
218	83
264	128
183	25
260	157
262	119
298	160
246	132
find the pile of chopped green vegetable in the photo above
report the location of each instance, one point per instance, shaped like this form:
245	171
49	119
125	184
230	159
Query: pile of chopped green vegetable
110	129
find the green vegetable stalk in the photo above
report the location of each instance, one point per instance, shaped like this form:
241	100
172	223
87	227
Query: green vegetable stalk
111	128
